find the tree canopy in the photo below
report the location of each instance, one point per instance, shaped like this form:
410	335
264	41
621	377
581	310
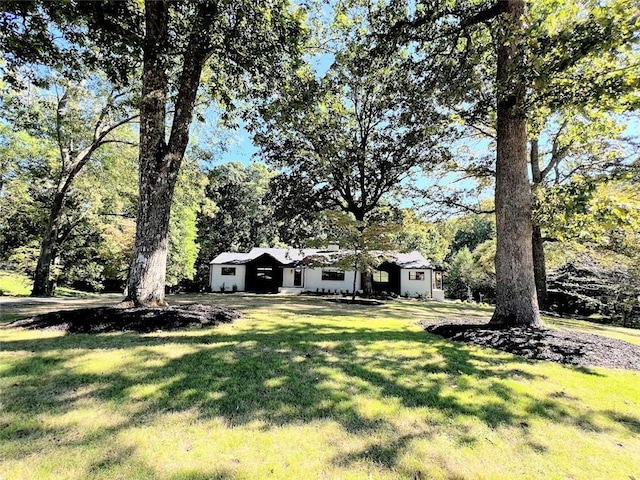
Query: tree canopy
358	134
356	113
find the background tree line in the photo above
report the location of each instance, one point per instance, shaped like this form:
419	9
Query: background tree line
545	90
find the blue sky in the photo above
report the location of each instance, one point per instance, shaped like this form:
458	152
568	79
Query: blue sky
240	147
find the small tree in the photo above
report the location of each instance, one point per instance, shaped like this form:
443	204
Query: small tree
462	275
365	246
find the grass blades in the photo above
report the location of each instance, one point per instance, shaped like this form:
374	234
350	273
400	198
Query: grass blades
19	285
14	284
302	388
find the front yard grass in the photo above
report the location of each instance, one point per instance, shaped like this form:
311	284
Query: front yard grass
300	388
19	285
15	284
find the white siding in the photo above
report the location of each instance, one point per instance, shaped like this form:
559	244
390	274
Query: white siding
287	277
313	281
415	287
217	279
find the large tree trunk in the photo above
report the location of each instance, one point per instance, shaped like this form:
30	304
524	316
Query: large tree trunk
160	161
516	302
42	287
148	267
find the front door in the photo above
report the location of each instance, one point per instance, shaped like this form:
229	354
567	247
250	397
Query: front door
297	277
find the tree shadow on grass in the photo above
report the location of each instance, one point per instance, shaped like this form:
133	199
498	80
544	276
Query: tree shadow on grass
279	376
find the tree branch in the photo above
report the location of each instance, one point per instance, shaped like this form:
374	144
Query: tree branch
478	211
557	154
60	115
121	142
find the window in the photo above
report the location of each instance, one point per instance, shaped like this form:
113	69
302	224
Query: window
228	270
380	277
332	274
264	273
437	280
416	275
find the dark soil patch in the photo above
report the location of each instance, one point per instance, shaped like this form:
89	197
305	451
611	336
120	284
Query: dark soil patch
136	319
560	346
357	301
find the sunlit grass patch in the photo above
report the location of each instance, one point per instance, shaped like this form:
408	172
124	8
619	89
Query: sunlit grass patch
14	284
17	284
300	388
627	334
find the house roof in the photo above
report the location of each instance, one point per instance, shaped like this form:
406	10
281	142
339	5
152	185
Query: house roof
295	257
282	255
411	260
232	258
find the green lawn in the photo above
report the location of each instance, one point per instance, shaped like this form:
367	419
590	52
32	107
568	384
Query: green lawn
304	389
18	285
14	284
626	334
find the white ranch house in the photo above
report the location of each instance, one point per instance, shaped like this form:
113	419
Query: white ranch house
272	270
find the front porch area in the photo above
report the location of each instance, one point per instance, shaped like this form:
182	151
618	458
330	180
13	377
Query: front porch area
290	290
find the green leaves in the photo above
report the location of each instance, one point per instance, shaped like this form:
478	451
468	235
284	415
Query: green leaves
582	52
605	214
361	131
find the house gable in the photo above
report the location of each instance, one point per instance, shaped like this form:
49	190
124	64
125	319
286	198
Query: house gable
263	274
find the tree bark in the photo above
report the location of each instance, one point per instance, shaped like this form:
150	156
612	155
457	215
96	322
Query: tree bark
148	268
537	242
160	161
42	287
516	302
147	273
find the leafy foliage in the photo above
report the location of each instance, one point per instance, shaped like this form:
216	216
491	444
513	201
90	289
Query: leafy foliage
356	135
590	282
242	217
189	201
472	231
429	238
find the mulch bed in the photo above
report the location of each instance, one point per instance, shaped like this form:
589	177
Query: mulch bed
357	301
131	319
560	346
